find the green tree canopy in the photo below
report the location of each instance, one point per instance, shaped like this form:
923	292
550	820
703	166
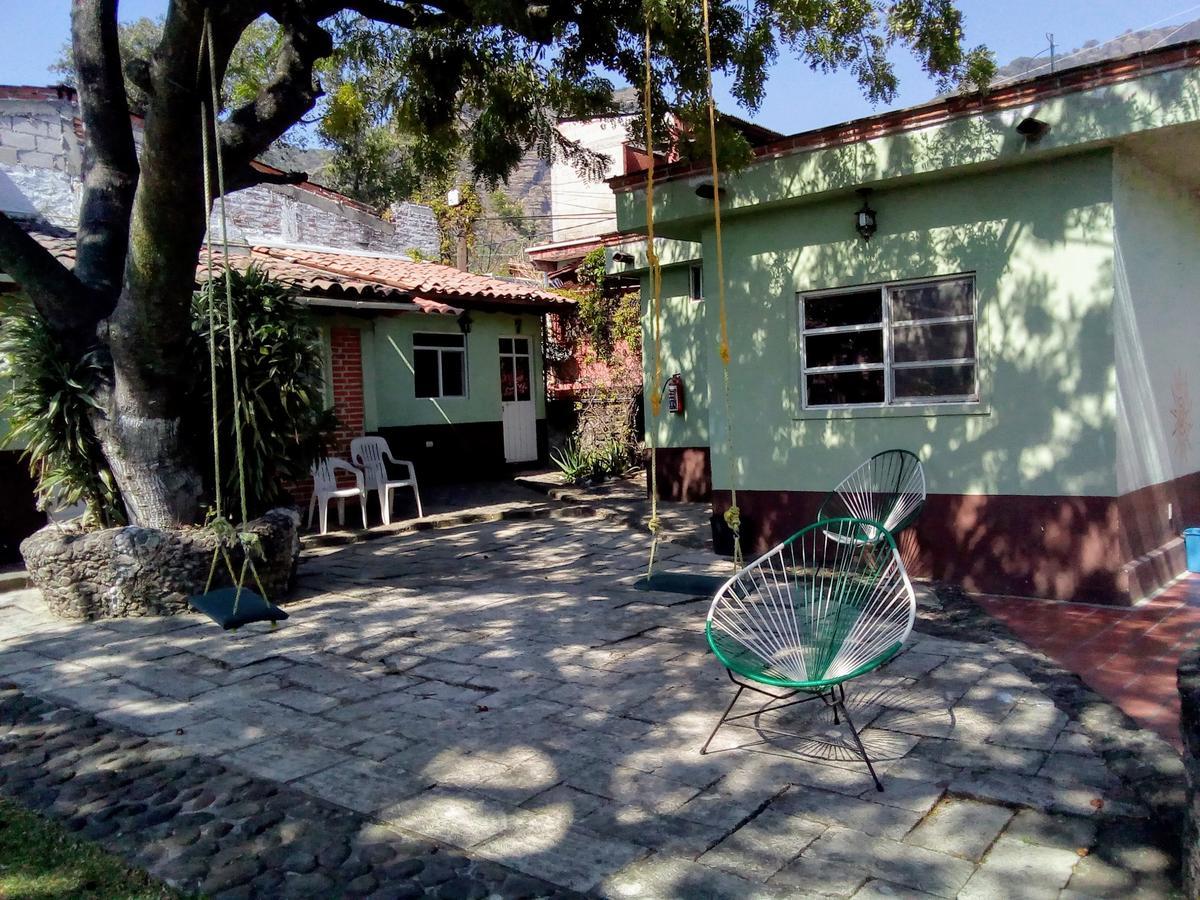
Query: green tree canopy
476	82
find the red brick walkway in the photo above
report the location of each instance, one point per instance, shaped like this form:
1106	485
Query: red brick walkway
1128	655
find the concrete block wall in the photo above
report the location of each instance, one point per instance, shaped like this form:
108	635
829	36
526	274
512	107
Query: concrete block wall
40	172
40	160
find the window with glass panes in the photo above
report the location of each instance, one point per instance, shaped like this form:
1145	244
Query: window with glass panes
440	365
895	344
516	372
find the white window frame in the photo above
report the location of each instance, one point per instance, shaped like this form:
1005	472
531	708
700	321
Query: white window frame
889	365
696	282
441	394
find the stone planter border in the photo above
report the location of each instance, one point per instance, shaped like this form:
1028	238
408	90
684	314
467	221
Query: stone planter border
133	571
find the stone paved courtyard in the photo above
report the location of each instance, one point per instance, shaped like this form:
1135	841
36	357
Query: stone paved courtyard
502	694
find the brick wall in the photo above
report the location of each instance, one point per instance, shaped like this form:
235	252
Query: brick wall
286	214
346	371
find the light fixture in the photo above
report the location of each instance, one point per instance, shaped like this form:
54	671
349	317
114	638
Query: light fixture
464	322
623	258
517	325
1033	130
864	219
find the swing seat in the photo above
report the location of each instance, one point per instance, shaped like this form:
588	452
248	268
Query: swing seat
681	583
229	610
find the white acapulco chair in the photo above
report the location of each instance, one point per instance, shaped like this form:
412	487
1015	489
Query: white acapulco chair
369	453
888	488
809	615
325	488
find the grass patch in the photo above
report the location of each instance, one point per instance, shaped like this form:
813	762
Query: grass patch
41	859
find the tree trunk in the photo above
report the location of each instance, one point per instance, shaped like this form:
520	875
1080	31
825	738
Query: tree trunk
142	427
155	470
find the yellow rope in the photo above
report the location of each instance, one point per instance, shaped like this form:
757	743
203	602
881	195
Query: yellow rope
224	531
655	523
732	515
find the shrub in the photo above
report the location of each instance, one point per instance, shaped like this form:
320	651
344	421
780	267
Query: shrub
284	421
48	408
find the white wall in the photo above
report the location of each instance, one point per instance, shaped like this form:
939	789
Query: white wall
585	207
1157	325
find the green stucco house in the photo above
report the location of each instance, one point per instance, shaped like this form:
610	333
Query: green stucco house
1025	317
445	364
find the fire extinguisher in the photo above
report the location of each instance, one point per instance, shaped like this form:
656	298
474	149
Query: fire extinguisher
675	394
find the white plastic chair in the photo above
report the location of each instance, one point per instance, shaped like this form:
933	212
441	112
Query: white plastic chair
325	488
369	453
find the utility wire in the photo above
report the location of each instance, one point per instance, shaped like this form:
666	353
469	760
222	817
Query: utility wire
1058	61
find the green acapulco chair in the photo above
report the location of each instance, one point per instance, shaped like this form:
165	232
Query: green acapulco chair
820	609
888	488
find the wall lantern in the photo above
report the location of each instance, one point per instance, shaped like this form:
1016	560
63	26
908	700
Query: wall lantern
623	258
517	325
464	322
864	219
1033	130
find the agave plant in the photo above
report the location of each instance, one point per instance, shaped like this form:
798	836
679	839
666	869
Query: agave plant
612	457
48	406
572	460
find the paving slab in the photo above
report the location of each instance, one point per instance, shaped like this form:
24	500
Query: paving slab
763	846
500	693
959	827
916	867
453	816
1015	868
837	809
548	846
668	878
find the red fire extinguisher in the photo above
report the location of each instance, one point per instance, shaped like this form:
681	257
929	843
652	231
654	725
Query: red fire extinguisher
675	394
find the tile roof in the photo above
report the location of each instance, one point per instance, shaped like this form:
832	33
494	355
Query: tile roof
328	274
423	280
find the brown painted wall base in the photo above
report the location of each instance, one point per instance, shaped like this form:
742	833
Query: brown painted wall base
684	474
1061	548
1150	538
463	452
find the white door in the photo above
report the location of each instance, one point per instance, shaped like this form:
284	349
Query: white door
517	411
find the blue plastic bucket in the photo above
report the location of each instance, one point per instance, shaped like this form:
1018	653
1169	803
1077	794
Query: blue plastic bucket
1191	542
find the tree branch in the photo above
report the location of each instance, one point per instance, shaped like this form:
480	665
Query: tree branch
405	16
292	92
110	163
69	307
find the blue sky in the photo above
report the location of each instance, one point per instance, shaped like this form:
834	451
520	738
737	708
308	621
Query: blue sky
797	99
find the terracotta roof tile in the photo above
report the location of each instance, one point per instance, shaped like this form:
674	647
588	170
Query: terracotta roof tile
429	287
431	281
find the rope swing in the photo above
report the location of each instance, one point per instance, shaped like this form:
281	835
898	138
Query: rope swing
228	607
733	517
732	514
655	523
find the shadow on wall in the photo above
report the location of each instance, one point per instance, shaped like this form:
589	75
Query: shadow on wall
682	474
21	516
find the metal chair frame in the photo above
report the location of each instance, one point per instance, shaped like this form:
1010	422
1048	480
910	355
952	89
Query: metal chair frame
821	608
